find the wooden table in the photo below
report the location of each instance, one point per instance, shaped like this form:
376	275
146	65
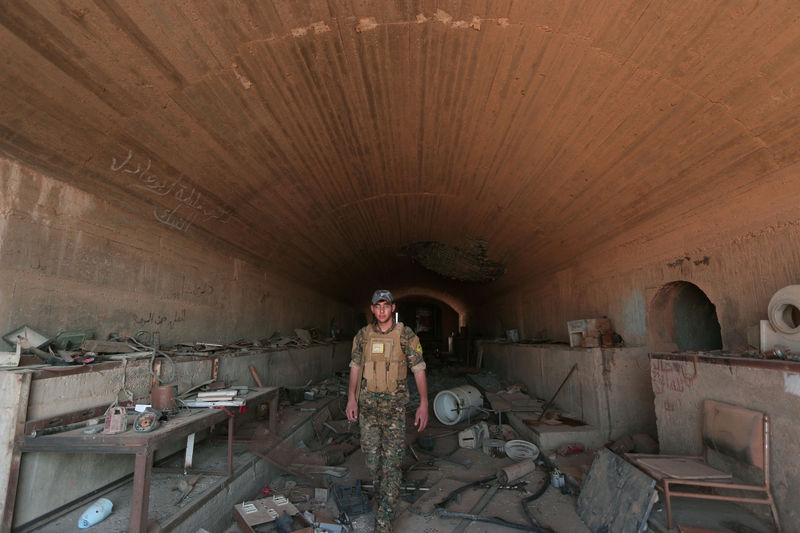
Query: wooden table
144	445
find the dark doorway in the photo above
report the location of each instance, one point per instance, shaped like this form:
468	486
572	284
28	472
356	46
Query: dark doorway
682	317
432	320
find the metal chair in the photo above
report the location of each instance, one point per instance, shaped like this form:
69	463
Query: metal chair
733	432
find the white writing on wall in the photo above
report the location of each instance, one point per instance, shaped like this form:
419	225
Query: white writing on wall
188	204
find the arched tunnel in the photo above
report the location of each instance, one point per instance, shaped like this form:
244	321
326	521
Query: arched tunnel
608	185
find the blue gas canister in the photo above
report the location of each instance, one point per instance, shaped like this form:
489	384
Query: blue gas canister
95	513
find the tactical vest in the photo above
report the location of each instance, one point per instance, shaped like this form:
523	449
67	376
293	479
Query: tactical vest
384	362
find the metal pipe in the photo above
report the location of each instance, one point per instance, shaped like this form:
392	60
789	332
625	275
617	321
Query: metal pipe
571	370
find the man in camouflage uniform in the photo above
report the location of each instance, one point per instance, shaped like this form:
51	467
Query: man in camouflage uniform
382	353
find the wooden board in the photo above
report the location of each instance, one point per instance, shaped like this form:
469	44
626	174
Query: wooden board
682	468
14	394
616	496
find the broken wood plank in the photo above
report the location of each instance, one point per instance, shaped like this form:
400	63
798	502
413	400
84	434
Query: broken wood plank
105	346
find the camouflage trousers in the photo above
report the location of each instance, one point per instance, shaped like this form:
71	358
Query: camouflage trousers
382	418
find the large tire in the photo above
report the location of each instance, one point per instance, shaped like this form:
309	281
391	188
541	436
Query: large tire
781	307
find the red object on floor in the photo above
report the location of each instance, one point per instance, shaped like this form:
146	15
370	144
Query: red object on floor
570	449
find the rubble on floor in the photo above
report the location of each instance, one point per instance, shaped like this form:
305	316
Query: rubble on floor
479	474
457	476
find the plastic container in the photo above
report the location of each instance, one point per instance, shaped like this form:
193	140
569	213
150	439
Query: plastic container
454	405
520	450
473	436
97	512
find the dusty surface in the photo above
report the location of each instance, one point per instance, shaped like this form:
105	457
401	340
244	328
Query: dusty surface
553	509
681	387
416	513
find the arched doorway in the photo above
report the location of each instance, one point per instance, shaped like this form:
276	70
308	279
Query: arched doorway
431	319
682	318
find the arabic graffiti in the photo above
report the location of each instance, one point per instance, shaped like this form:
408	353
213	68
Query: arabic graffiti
188	199
158	320
668	376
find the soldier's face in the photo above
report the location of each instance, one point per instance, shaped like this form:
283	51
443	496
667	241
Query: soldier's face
383	311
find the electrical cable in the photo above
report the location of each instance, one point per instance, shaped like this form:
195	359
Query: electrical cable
541	490
136	344
444	513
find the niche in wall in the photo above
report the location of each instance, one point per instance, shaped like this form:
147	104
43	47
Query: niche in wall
681	317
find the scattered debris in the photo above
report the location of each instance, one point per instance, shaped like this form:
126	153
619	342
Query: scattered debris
264	510
116	420
11	359
105	347
591	332
26	333
463	462
185	487
570	449
147	420
516	471
350	499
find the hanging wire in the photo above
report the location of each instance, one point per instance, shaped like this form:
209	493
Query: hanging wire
140	346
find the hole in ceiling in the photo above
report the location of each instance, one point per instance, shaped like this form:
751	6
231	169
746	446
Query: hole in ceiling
471	264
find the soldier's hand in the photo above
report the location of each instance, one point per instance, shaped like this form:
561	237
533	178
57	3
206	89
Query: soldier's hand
351	410
421	420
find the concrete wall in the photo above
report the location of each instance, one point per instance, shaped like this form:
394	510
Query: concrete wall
78	474
609	390
680	388
70	260
738	273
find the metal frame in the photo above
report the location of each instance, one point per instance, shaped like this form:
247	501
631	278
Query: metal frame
664	482
144	446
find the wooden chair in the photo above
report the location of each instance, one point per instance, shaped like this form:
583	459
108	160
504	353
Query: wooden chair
734	432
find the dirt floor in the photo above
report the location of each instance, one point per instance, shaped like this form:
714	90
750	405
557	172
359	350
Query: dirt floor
321	435
438	478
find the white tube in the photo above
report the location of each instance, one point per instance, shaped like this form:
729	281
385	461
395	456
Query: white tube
782	305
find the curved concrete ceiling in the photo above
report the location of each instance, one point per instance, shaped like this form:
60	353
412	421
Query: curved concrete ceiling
323	138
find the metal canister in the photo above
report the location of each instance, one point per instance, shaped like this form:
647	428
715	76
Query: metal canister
163	398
